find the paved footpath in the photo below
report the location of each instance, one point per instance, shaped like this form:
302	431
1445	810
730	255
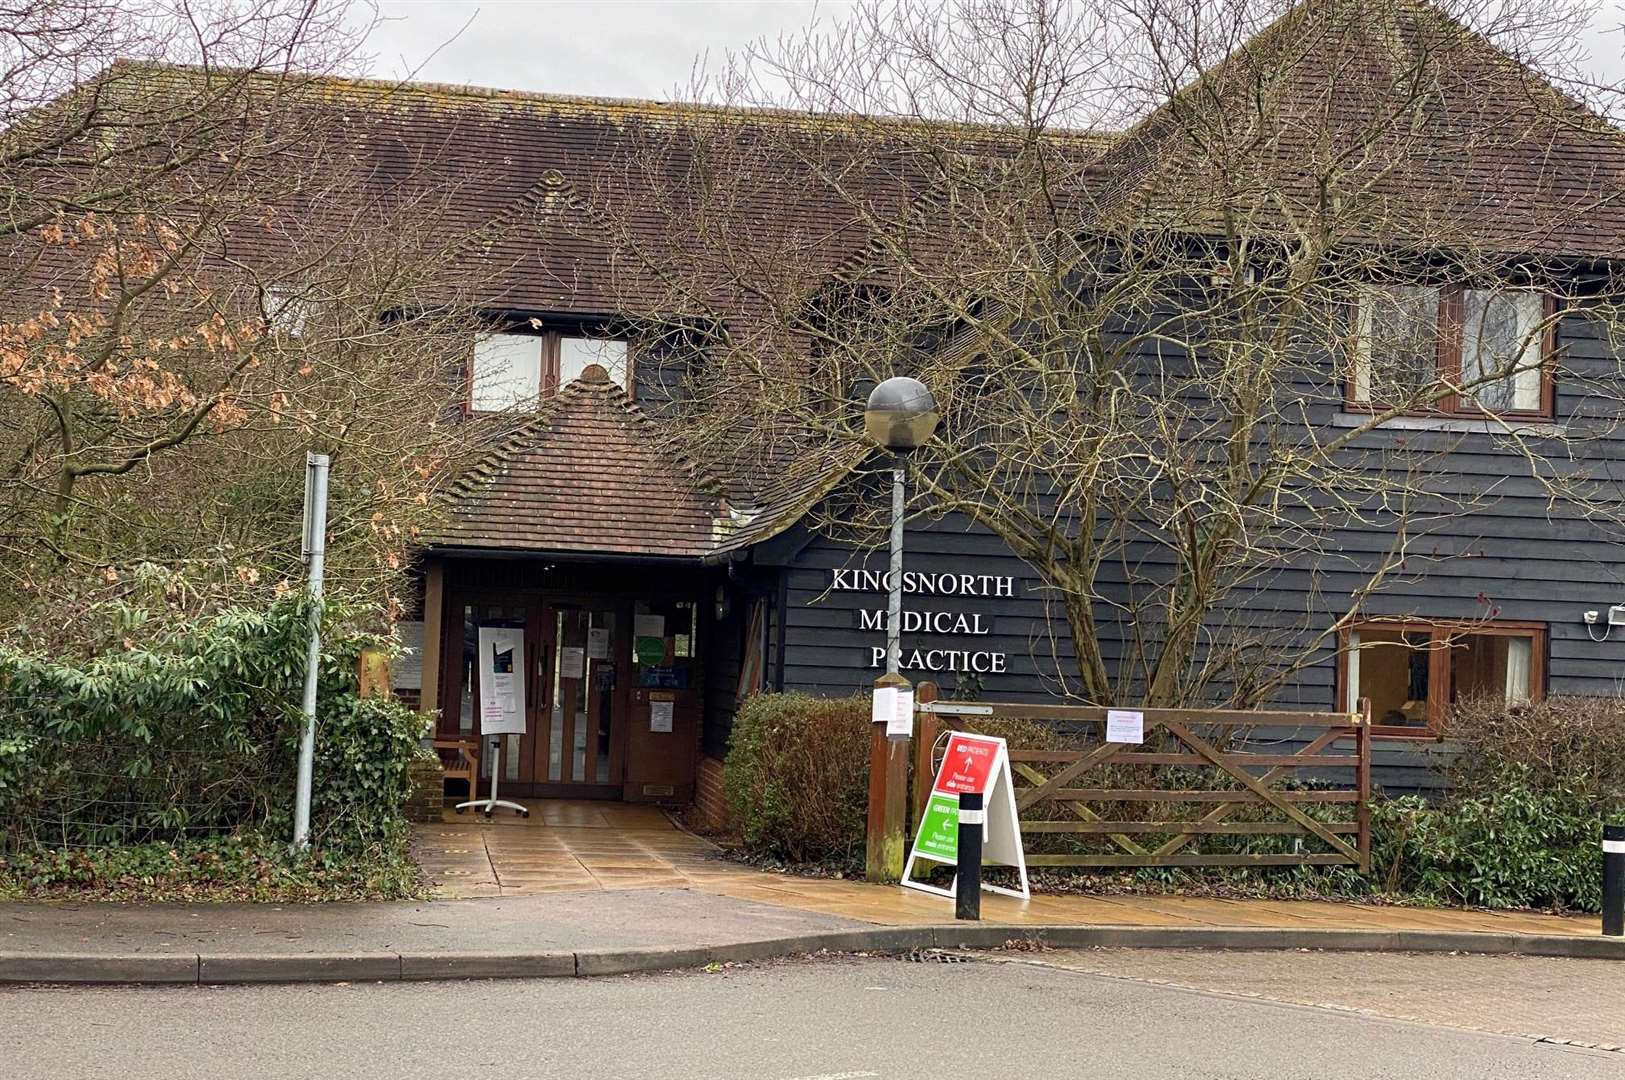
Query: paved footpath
567	847
587	891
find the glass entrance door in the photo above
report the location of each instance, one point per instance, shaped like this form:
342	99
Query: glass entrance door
573	663
579	745
462	720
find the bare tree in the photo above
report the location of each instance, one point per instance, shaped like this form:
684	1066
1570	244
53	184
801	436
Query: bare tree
203	277
1178	276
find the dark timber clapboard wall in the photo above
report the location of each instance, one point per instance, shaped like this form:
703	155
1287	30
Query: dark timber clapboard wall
827	652
1513	555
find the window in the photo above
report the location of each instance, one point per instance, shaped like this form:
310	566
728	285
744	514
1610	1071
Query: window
507	372
1501	340
514	370
288	311
575	353
1410	338
1413	672
663	643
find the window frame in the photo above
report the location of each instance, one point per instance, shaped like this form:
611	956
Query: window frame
1447	361
1439	632
548	370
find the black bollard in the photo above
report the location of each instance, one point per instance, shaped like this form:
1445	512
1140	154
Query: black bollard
1613	880
968	888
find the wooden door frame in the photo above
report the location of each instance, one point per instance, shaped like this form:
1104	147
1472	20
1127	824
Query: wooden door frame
541	606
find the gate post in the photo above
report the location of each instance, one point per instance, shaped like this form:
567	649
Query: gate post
926	733
888	799
1362	809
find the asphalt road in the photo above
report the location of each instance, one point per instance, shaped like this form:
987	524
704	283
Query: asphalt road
842	1019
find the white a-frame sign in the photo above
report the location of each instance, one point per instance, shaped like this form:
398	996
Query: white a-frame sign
973	763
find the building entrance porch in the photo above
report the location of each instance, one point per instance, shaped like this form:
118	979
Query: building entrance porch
605	675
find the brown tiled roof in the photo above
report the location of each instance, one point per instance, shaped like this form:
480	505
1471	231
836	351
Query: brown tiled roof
588	473
1446	142
546	178
797	488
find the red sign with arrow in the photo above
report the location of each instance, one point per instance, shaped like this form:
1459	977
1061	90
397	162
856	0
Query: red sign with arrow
967	765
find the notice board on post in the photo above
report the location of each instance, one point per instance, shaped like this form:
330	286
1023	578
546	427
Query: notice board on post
975	764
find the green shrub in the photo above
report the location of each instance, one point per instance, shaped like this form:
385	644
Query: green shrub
1514	844
361	781
1564	744
798	777
190	732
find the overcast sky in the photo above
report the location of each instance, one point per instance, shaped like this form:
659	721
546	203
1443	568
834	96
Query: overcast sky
640	48
607	48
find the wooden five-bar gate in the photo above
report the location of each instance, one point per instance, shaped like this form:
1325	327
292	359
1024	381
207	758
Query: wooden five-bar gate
1199	773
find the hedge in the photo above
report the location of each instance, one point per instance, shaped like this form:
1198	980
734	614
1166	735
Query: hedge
797	777
193	733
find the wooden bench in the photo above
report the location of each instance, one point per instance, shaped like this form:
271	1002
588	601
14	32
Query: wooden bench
460	760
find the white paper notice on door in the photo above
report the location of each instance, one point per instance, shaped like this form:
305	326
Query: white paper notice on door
598	643
572	662
660	715
649	626
1125	726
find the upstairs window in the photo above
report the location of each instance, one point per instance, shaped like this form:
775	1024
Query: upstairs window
507	372
1411	340
288	311
513	371
1413	672
576	353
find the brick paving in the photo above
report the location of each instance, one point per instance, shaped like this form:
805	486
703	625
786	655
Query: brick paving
564	846
1557	1000
572	846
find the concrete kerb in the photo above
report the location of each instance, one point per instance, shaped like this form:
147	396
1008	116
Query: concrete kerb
300	968
170	969
157	969
487	965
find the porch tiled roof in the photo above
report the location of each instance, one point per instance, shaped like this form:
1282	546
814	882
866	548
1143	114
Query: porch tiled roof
588	473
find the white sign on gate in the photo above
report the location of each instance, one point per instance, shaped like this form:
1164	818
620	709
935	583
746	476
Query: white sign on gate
1125	726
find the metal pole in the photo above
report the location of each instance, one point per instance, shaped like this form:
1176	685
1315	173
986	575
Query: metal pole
1613	880
968	856
894	597
316	552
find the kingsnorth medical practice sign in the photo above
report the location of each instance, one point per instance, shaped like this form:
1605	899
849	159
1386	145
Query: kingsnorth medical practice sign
959	656
974	764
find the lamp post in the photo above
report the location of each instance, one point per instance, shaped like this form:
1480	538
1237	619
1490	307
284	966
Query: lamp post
901	416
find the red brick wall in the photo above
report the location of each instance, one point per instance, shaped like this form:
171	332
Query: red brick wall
710	805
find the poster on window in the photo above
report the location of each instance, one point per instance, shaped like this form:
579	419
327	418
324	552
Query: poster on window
502	682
